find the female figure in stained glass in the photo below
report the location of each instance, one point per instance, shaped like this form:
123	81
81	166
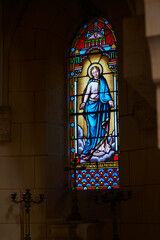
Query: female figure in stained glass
96	103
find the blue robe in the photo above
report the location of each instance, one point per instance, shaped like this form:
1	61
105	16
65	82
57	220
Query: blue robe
100	115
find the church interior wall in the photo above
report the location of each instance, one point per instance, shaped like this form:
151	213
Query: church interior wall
36	58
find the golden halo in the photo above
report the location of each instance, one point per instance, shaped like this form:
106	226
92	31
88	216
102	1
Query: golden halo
94	65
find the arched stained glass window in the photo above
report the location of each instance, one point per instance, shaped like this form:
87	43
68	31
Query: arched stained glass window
94	115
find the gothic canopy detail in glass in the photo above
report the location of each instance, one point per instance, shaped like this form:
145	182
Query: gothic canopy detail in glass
94	107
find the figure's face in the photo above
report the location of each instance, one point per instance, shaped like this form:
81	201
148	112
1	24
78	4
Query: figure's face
95	73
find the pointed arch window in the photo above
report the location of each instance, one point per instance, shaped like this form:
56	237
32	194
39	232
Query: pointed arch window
94	116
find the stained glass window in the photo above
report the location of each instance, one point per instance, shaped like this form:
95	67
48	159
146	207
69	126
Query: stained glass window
94	110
